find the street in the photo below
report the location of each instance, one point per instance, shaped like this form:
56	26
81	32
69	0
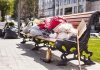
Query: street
16	56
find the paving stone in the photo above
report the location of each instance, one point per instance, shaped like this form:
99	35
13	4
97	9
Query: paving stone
15	56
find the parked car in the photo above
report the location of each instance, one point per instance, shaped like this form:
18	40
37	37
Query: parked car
95	35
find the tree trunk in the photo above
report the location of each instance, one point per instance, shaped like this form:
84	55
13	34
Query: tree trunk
2	16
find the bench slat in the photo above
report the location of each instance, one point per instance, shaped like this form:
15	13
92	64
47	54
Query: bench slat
47	39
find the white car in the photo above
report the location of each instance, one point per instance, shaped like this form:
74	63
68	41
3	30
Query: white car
95	35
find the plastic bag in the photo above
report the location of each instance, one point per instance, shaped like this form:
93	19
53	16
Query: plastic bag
34	31
9	34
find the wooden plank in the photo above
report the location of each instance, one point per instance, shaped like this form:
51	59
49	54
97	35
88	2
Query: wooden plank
76	19
81	28
40	37
85	13
78	16
47	39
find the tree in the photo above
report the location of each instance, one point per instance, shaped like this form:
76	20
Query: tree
15	8
4	6
32	8
29	8
11	7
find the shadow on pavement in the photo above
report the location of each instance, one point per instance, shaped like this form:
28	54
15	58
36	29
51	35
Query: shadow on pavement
36	55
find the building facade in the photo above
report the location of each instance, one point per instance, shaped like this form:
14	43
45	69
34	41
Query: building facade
93	5
46	8
64	7
49	8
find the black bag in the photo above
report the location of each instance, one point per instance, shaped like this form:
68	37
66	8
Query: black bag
9	34
0	32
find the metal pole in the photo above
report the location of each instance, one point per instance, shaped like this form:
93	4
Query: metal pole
77	6
58	7
43	9
19	8
54	8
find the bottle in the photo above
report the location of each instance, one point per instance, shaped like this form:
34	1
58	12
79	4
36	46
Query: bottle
48	55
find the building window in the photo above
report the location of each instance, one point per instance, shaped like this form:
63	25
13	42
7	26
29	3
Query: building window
75	9
60	2
50	12
61	11
57	3
80	8
57	12
68	11
81	0
65	1
74	1
68	1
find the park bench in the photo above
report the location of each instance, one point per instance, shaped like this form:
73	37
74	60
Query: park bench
88	18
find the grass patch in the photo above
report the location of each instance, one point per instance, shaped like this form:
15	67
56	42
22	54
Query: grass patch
94	46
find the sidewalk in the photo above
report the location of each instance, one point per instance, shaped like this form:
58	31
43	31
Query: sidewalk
15	56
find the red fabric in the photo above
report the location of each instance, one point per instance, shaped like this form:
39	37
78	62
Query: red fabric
41	25
54	22
47	23
51	23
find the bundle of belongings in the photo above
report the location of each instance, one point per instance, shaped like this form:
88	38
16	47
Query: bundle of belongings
55	27
64	31
10	31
